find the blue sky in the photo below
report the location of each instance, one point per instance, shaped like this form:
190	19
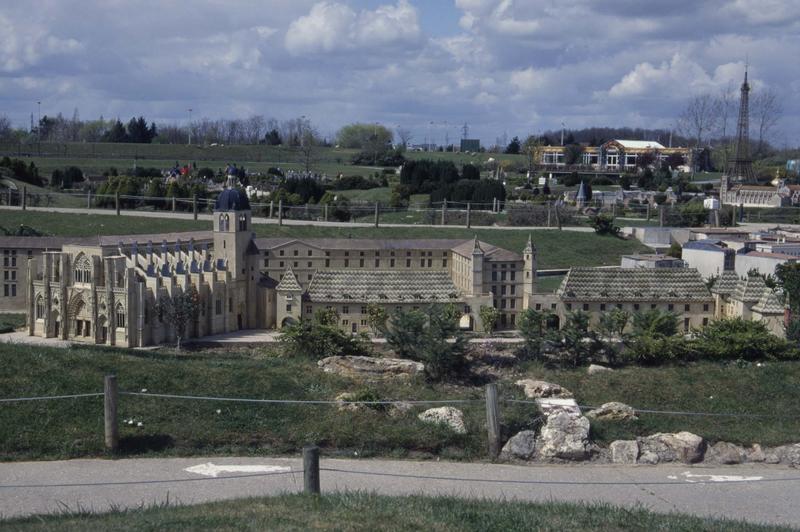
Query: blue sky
504	66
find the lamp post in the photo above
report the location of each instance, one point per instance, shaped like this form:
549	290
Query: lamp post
190	125
39	123
562	133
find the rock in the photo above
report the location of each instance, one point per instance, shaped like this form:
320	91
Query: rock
521	446
613	411
772	458
624	451
564	436
725	453
400	409
536	389
371	367
649	458
755	454
788	454
679	447
445	415
343	405
597	368
550	406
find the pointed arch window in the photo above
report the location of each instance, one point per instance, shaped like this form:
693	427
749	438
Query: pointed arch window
242	222
39	307
121	315
82	271
224	222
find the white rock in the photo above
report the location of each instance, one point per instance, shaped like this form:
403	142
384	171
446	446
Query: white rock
726	453
550	406
679	447
521	446
535	389
613	411
445	415
371	367
564	436
624	451
597	368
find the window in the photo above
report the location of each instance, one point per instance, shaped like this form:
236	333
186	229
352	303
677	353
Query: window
230	304
309	264
218	306
705	322
295	264
288	307
705	307
512	303
345	322
309	252
280	253
408	263
685	324
502	303
421	263
280	264
345	310
39	308
636	306
602	306
686	307
346	263
569	306
502	290
391	263
444	263
363	310
513	289
652	306
670	307
494	275
513	275
309	309
13	290
538	306
586	306
83	269
223	222
327	263
242	222
266	263
6	289
377	263
503	275
296	252
360	263
120	316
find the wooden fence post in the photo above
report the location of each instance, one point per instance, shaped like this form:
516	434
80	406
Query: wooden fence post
271	203
110	409
88	199
558	217
24	198
493	420
325	213
648	211
444	212
311	469
194	205
661	216
116	201
280	212
173	203
377	213
469	208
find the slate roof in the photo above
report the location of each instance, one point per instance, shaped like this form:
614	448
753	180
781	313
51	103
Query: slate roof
633	284
491	252
769	303
39	242
726	283
361	243
382	286
289	282
749	289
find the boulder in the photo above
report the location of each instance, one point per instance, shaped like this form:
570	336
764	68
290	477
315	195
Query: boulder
521	446
550	406
613	411
448	416
725	453
537	389
343	405
564	436
679	447
371	367
597	368
648	457
400	409
788	454
624	451
755	454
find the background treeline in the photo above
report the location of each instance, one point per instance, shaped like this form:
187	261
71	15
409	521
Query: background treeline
442	180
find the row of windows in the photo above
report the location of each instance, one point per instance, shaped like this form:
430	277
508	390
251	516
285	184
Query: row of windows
505	303
310	253
423	263
512	289
511	276
10	290
10	275
636	306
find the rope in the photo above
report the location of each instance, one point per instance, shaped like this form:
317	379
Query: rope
556	482
45	398
135	482
297	401
669	412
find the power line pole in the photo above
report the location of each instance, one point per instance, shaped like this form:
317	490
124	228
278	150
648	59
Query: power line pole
190	125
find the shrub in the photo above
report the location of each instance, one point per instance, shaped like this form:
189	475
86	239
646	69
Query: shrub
736	338
604	224
320	338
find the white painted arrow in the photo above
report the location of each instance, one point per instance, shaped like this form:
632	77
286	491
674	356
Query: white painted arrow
213	470
718	478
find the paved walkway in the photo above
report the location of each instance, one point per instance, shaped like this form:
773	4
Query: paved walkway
757	493
22	338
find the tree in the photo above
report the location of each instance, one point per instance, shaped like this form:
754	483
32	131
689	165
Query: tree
693	213
361	136
377	317
612	330
179	309
788	276
579	343
139	132
700	117
532	327
655	322
514	146
320	337
470	171
766	109
489	318
405	136
603	224
273	138
308	144
737	338
573	154
116	133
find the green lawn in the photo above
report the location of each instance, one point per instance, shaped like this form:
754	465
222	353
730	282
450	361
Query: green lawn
364	511
11	322
556	249
73	428
549	283
44	197
381	194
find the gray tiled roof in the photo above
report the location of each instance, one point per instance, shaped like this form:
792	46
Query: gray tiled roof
769	303
361	243
40	242
382	286
749	289
726	283
289	282
633	284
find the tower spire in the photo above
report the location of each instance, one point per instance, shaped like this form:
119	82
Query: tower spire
740	168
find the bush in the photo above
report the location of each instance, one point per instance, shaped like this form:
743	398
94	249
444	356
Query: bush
736	338
604	225
320	338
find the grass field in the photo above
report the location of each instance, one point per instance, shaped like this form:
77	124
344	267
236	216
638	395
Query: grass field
44	197
556	249
381	194
11	322
74	427
363	511
549	283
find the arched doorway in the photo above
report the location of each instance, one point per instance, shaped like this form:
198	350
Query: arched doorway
102	328
287	321
466	323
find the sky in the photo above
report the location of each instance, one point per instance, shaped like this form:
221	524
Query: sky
512	67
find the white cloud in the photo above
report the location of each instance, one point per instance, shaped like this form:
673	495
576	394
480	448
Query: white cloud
679	76
331	26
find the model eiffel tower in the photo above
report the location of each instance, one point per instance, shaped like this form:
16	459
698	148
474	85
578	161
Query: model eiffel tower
740	168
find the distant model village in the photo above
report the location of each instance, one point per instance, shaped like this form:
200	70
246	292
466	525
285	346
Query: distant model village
109	289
